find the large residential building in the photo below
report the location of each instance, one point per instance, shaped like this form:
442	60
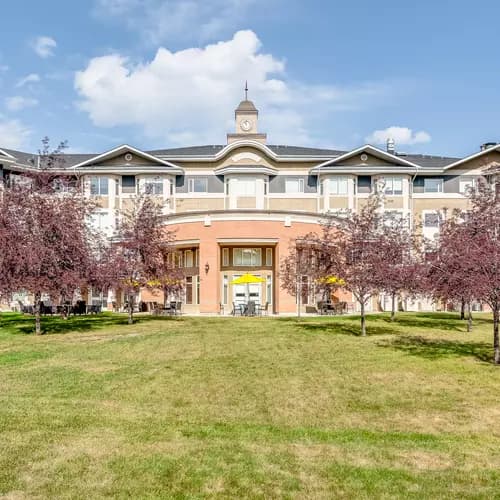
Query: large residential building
237	207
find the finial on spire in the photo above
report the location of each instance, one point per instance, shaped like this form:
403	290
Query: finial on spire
246	90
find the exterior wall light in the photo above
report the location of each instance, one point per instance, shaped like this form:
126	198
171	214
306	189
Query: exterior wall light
207	268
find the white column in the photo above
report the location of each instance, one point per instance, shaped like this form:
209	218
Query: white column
350	192
259	193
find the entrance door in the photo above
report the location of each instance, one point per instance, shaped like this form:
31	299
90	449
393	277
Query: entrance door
240	293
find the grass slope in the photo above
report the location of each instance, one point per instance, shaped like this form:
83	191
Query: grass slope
249	408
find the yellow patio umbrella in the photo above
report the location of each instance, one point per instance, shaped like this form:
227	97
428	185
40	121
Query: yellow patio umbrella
331	280
247	279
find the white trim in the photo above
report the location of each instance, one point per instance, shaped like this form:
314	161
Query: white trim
122	148
183	218
186	242
8	155
234	169
293	196
241	241
473	156
374	170
445	196
202	196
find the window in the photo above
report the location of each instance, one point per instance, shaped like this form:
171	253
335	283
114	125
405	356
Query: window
245	187
99	186
225	256
247	257
198	185
392	186
337	185
188	258
304	290
392	217
269	289
431	219
189	289
466	185
101	222
294	185
128	183
433	185
178	259
269	257
153	185
225	288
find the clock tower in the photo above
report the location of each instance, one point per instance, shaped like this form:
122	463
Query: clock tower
246	116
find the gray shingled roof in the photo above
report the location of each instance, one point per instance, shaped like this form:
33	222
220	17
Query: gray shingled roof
425	161
207	150
301	151
215	148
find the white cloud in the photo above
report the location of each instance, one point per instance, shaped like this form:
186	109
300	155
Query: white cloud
160	20
401	135
44	46
189	95
13	134
31	78
16	103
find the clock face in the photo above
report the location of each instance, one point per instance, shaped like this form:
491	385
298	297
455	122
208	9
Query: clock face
246	125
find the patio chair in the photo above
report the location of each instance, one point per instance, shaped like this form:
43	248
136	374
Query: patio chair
251	309
263	309
178	308
173	307
237	310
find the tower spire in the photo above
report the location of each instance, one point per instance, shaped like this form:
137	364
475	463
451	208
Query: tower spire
246	90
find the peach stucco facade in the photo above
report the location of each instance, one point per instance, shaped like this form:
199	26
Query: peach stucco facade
211	238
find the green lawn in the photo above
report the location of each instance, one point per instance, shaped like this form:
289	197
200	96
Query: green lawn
249	408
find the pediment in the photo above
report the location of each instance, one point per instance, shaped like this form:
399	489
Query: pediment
125	158
366	157
479	162
245	156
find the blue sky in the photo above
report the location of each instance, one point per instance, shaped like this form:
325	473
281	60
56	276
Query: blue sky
162	73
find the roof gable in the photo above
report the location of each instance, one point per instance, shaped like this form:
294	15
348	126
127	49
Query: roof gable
6	155
124	156
480	160
369	155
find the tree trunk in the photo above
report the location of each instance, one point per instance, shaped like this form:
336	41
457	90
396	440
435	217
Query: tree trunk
363	319
462	309
469	317
393	306
36	310
299	297
496	341
130	309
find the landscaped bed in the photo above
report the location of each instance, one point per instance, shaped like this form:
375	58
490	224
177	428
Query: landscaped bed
249	407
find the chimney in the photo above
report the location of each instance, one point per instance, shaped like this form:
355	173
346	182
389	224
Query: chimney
487	145
391	146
